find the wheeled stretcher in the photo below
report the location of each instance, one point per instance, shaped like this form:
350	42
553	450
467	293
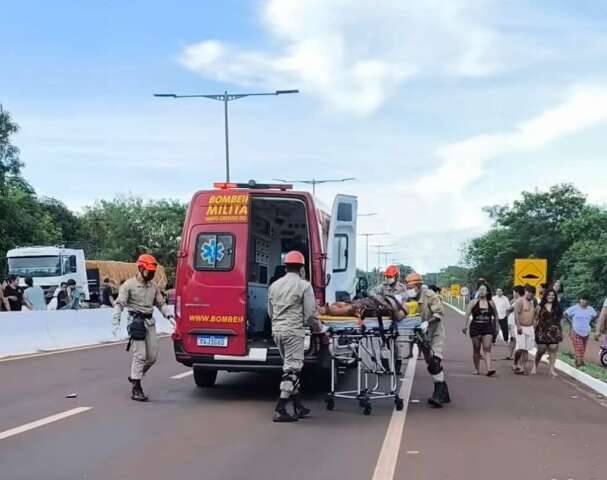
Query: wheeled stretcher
373	346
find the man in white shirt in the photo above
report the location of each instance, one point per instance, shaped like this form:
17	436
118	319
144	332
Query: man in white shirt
502	304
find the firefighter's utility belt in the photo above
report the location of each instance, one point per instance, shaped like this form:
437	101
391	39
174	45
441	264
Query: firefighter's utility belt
136	328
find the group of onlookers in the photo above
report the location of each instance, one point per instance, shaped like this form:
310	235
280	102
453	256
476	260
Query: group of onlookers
13	298
529	320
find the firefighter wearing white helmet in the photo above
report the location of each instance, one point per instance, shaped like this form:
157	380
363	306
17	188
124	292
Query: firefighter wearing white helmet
292	307
431	335
139	295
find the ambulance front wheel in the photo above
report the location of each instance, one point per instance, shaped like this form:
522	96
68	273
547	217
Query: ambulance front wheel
204	378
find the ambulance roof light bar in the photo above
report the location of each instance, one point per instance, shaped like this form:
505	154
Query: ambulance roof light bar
252	184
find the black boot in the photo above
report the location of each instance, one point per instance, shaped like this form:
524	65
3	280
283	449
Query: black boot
445	398
398	366
280	413
301	410
436	399
138	394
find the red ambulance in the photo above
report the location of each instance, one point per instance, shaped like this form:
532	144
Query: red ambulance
233	244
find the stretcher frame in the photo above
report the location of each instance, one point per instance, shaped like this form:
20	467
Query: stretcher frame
375	353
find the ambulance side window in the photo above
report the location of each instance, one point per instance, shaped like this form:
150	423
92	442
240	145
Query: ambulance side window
340	262
214	251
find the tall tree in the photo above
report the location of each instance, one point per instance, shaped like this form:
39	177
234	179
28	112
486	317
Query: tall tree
534	227
9	154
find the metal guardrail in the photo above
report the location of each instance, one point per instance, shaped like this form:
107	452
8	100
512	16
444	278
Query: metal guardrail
460	301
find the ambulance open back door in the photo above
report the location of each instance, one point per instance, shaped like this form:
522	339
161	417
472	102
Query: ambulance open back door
341	250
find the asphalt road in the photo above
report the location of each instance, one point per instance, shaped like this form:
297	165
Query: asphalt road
499	428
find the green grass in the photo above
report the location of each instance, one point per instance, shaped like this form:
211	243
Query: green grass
595	371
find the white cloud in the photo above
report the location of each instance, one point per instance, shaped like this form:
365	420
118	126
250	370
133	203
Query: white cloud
463	163
354	54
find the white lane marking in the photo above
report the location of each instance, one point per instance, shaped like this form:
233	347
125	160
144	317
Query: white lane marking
461	312
388	455
183	375
43	421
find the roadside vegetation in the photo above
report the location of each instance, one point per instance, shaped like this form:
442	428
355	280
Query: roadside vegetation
117	229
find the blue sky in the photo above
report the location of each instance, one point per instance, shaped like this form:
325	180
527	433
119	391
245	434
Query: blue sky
436	108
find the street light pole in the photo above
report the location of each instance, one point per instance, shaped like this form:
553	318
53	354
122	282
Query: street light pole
367	235
225	98
225	113
314	182
379	247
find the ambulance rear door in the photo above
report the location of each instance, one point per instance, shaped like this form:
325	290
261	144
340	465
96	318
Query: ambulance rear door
212	285
341	249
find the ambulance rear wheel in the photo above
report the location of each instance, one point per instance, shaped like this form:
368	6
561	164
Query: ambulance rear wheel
204	378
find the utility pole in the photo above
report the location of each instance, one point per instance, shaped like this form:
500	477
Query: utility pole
226	97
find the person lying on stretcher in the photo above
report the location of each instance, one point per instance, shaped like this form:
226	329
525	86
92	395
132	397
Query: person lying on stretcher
385	305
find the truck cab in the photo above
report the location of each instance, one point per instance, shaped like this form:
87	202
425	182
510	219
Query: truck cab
233	245
49	267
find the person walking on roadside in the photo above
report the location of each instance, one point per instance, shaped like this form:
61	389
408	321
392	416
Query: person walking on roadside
502	305
560	293
292	307
517	292
524	318
580	316
482	328
139	295
34	295
601	323
548	330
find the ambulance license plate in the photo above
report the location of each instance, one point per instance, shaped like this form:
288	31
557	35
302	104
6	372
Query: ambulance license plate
212	341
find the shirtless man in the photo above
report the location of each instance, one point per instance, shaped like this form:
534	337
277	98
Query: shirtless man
524	316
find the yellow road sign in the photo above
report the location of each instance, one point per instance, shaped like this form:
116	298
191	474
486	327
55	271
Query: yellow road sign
530	271
455	289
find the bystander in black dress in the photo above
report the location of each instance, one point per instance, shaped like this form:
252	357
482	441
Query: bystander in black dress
548	330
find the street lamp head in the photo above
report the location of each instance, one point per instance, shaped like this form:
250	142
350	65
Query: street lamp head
165	95
280	92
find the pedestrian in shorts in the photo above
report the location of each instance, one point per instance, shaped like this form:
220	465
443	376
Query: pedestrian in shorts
524	318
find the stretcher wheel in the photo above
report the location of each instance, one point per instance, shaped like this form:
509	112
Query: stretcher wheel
330	404
399	404
367	409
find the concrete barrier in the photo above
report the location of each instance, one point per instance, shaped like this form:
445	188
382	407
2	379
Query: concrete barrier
41	331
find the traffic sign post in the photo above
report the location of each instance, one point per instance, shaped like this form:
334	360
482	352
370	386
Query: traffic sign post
530	271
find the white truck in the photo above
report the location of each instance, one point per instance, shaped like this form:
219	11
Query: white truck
49	267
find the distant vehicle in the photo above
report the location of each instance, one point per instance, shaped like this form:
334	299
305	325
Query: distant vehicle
49	267
232	248
52	265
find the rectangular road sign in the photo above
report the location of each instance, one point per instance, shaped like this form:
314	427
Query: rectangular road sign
455	289
530	271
